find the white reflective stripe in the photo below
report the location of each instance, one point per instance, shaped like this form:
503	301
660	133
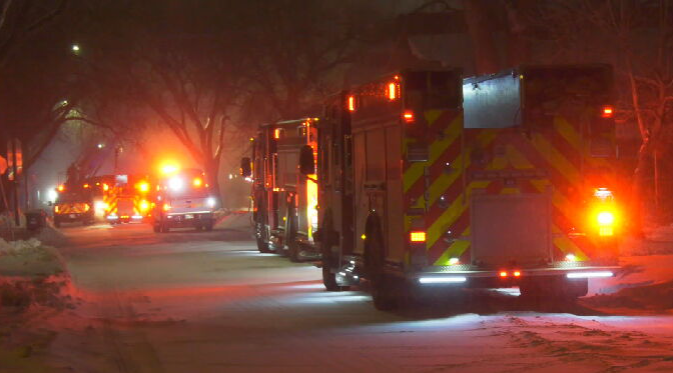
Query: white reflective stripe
589	274
442	280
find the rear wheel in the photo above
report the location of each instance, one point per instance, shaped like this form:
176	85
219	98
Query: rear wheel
57	223
330	261
383	287
262	245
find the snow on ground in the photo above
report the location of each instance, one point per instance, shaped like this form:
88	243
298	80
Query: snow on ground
34	285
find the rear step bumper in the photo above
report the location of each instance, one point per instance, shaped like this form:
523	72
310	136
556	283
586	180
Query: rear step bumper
457	277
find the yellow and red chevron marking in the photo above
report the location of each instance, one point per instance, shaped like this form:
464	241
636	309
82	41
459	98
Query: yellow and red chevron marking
110	199
73	208
559	150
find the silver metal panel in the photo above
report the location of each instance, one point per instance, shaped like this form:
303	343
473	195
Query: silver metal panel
492	102
511	229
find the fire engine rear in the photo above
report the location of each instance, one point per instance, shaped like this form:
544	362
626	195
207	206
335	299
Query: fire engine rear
523	193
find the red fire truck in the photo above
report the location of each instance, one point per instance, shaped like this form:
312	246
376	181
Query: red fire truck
520	189
285	199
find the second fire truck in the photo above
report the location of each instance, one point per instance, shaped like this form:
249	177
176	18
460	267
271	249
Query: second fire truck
502	180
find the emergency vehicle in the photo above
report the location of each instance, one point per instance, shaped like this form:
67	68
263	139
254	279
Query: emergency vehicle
127	198
182	199
74	203
285	199
519	189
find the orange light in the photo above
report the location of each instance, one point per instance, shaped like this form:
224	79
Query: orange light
517	274
503	274
392	91
418	236
607	112
56	208
85	186
144	205
408	116
144	187
169	168
605	218
351	103
606	231
167	207
276	133
397	77
61	188
198	182
87	207
106	187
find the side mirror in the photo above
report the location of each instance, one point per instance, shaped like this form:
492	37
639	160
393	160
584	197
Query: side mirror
306	162
246	167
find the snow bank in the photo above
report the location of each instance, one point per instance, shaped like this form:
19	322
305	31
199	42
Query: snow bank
654	298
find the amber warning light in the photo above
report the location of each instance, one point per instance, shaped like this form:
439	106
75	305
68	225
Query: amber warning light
351	103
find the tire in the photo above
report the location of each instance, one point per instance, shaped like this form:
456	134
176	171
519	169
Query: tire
262	245
382	285
164	228
328	260
156	228
57	223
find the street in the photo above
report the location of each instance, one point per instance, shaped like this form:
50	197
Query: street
209	302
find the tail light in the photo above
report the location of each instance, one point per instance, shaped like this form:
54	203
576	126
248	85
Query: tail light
198	182
605	221
503	274
144	205
167	206
56	208
408	116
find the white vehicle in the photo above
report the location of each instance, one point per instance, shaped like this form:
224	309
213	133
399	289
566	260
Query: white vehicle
183	200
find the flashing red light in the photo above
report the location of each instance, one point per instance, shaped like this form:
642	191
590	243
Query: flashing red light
61	188
503	274
408	116
351	103
607	112
392	91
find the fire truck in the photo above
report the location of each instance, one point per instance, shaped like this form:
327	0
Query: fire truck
74	203
182	199
127	198
285	199
426	180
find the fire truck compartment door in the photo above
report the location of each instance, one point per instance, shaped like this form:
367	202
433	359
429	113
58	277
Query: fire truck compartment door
125	207
511	229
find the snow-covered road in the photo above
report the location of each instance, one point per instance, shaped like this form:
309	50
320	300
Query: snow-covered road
208	302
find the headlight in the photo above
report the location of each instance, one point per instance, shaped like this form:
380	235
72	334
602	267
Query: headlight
100	205
211	202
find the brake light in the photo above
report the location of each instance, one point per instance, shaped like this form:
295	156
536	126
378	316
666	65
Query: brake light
408	116
517	274
351	103
605	221
607	111
503	274
418	236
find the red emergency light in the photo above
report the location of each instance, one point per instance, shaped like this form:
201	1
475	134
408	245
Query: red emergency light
351	103
607	111
408	116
